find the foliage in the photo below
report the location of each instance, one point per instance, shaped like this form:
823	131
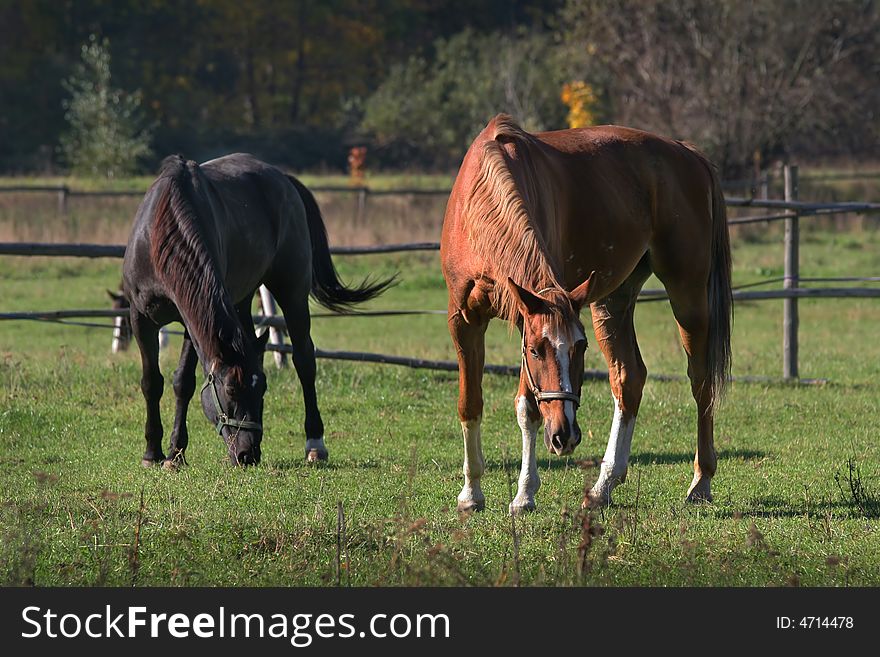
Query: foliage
744	80
581	102
290	81
107	135
434	107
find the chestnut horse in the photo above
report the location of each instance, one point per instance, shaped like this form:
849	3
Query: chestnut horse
539	226
204	238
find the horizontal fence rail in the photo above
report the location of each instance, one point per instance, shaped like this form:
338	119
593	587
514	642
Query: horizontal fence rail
788	210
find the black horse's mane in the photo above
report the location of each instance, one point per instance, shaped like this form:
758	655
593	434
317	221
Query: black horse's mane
184	264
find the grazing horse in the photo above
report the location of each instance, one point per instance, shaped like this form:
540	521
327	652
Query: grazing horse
204	238
539	226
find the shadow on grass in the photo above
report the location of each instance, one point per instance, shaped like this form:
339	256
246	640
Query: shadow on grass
671	458
285	465
544	463
773	506
590	461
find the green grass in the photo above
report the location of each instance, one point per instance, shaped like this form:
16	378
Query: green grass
71	427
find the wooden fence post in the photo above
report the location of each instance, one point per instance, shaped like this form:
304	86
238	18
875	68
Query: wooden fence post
792	274
276	337
62	200
360	212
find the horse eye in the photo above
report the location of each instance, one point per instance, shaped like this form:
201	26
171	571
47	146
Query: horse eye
533	352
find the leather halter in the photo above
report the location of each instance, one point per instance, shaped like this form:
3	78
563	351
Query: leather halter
223	420
544	395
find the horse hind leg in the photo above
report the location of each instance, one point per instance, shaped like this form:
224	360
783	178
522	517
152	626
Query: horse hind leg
296	315
184	389
691	308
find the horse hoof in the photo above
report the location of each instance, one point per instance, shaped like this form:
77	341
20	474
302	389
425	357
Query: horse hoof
700	491
170	464
470	506
521	508
149	463
595	500
315	455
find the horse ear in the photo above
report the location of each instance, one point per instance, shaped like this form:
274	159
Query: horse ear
583	294
114	296
528	302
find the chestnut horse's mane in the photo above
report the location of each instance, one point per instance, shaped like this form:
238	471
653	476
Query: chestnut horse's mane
184	264
510	216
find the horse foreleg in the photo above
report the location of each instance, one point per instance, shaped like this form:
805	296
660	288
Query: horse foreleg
529	420
613	325
469	341
146	334
184	388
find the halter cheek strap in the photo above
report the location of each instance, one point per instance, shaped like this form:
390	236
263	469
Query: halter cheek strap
223	420
545	395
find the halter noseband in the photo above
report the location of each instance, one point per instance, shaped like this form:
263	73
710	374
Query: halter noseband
223	420
545	395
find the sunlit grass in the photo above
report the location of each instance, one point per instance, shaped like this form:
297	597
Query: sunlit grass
71	426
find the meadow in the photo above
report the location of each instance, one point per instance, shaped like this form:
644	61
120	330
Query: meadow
797	493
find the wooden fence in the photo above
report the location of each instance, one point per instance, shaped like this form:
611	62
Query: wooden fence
788	210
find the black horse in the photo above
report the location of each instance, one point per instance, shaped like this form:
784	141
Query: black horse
204	238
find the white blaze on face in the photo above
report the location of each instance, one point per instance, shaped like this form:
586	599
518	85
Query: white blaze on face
562	349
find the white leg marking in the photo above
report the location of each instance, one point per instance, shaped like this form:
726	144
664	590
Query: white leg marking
614	464
117	335
529	482
163	337
276	337
471	497
315	449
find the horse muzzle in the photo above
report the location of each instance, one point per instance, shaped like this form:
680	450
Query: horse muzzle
561	441
244	454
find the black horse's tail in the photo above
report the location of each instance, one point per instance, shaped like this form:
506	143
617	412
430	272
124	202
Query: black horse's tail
327	289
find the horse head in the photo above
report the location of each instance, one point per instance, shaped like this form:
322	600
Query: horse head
232	399
553	348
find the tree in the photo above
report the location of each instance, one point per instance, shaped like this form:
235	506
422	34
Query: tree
743	80
432	108
107	135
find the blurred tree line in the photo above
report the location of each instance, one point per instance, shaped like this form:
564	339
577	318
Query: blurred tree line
299	82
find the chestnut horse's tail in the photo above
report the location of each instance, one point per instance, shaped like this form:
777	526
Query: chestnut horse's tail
719	291
327	289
